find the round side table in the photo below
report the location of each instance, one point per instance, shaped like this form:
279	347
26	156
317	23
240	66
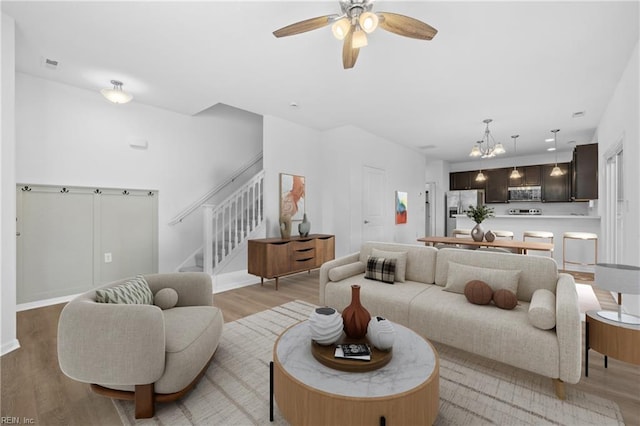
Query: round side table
611	338
405	391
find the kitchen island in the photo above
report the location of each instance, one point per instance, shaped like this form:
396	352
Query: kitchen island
577	250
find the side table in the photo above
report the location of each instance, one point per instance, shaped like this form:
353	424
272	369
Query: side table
611	338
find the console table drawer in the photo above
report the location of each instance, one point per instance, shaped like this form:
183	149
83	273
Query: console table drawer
303	245
304	254
303	264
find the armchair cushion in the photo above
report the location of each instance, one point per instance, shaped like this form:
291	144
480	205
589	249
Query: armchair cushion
165	298
135	291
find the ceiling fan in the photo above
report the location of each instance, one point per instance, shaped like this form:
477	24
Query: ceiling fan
355	22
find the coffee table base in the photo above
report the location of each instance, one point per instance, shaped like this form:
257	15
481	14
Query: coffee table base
303	405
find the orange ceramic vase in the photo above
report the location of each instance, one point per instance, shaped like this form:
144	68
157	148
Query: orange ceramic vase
355	317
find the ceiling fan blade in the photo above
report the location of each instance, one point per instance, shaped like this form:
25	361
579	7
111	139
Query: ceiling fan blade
349	54
304	26
406	26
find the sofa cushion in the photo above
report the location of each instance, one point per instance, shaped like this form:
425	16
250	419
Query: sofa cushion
165	298
341	272
134	291
460	275
478	292
401	261
380	269
536	271
421	260
505	299
542	310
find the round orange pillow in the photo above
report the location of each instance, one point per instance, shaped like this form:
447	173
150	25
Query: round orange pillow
505	299
478	292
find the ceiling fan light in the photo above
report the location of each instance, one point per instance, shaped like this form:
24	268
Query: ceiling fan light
480	177
515	174
341	28
368	22
556	171
359	39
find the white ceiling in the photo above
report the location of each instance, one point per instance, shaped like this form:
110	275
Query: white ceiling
527	65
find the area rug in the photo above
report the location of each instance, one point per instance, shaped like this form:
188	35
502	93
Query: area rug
473	390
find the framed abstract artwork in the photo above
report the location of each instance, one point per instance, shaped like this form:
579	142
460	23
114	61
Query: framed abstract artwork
401	207
292	196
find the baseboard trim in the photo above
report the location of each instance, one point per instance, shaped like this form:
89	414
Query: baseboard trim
9	347
233	280
45	302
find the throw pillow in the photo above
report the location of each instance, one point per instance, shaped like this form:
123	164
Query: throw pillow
505	299
134	291
542	309
380	269
478	292
459	275
165	298
401	261
341	272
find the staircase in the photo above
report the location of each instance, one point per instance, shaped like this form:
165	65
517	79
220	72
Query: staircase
229	224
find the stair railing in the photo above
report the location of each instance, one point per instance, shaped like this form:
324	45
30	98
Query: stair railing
229	224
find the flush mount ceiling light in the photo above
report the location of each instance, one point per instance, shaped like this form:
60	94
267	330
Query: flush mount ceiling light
556	170
355	22
515	174
116	95
487	147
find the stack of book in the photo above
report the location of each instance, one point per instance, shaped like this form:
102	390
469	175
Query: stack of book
356	351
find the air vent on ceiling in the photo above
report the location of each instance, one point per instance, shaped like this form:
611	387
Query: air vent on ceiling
52	64
578	114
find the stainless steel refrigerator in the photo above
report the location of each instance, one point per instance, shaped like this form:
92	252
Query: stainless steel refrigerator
457	202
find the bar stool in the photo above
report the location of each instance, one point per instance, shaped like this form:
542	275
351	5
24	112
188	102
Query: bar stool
538	234
585	236
503	234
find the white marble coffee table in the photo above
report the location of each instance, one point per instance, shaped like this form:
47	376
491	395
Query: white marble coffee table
405	391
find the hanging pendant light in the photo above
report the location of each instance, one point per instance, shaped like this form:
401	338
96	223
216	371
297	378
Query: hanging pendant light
480	177
556	170
515	174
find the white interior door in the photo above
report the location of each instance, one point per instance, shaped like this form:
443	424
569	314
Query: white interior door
373	212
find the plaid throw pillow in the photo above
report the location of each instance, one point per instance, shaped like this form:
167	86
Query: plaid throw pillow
381	269
134	291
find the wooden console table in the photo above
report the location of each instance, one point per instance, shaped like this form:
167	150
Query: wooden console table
276	257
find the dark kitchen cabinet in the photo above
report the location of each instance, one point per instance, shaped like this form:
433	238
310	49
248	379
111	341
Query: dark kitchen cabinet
556	188
585	172
497	185
464	180
529	176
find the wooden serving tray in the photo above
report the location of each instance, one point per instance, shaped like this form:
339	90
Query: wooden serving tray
326	356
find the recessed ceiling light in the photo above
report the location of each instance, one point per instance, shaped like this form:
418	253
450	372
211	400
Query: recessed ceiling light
549	140
551	149
578	114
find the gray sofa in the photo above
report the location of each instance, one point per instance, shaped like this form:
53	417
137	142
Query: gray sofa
422	304
140	351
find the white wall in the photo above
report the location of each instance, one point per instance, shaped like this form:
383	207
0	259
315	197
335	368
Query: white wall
346	151
292	149
620	122
81	139
8	341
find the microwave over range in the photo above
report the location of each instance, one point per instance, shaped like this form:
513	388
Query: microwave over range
525	193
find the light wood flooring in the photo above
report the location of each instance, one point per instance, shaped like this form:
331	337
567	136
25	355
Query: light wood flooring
33	387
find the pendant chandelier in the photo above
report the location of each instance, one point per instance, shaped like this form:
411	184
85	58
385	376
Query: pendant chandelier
556	170
487	147
515	174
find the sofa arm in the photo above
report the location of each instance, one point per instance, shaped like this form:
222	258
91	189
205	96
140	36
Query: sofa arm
327	266
193	288
111	344
568	329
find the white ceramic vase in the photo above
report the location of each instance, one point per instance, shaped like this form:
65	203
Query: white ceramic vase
325	325
381	333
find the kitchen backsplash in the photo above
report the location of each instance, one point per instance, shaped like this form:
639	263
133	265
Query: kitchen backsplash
581	208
